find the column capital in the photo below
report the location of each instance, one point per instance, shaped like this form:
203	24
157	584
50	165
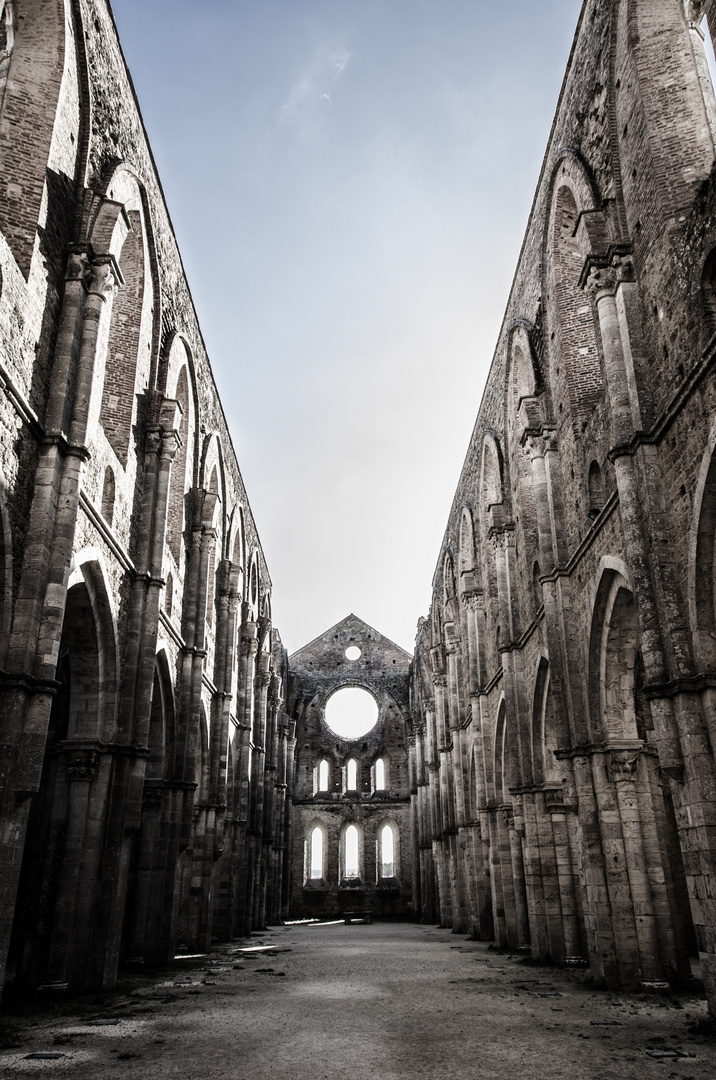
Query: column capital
602	275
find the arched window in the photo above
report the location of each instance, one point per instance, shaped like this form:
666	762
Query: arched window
315	871
387	852
323	775
108	496
169	594
579	354
351	867
491	474
118	392
379	774
351	775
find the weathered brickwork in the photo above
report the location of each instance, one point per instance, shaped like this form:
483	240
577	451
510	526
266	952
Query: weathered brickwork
327	800
143	738
562	687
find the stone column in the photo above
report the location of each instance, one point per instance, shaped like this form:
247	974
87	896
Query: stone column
454	761
199	817
242	771
130	807
622	769
229	603
257	788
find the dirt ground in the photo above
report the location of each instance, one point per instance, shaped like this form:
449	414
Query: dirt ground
393	1001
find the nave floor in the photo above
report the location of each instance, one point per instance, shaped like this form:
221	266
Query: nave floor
388	1001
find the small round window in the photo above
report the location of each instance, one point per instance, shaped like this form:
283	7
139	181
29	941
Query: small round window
353	652
351	712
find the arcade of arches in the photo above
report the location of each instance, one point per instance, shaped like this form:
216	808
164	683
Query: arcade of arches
541	773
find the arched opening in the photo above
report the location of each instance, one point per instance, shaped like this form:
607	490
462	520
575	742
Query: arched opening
580	357
387	852
315	872
147	928
379	773
169	594
323	776
253	591
620	714
623	710
596	489
80	646
545	766
351	775
55	936
503	771
107	505
118	392
467	543
620	646
491	474
351	859
351	712
522	377
237	550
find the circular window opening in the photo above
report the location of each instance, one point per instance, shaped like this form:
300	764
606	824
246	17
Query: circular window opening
351	712
353	653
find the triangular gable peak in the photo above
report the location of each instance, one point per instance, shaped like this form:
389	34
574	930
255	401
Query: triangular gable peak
350	633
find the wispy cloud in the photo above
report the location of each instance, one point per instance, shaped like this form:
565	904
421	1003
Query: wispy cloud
304	108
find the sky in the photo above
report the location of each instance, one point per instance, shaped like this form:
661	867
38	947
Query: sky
349	182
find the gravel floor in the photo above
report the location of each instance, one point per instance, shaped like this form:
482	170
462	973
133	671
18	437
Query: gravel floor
388	1001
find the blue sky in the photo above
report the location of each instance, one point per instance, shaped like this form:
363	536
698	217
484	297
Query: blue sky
349	181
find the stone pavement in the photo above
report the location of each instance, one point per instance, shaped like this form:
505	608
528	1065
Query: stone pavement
393	1001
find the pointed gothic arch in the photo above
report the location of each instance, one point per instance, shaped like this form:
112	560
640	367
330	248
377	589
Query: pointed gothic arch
575	229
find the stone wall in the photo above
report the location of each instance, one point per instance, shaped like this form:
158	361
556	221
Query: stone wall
562	684
143	742
326	799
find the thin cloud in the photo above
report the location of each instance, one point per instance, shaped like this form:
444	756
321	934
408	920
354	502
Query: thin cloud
311	92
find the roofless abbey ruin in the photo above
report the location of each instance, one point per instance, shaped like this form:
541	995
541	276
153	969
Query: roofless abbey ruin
542	771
